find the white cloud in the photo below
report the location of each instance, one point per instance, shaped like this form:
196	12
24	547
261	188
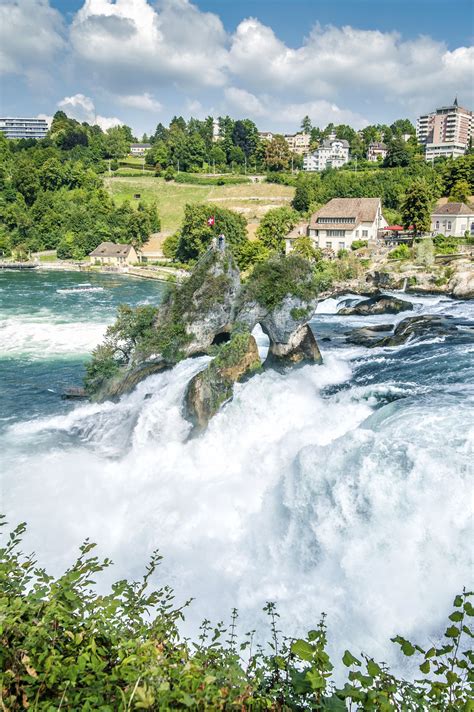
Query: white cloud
351	65
82	108
31	34
244	102
131	45
144	102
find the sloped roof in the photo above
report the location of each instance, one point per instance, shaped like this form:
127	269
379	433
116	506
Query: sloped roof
111	249
154	244
453	209
298	231
360	209
327	143
140	145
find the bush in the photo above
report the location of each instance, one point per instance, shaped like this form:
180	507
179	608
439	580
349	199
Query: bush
170	245
169	174
65	646
445	244
271	281
359	244
401	252
199	179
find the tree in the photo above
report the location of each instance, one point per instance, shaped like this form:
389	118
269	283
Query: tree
398	153
403	126
275	226
51	174
304	247
195	234
305	194
245	136
416	207
277	154
116	142
306	125
461	192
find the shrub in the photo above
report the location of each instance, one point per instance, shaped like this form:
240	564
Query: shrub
65	646
170	245
445	244
401	252
271	281
169	174
359	244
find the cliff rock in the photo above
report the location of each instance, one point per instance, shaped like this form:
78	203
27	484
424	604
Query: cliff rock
380	304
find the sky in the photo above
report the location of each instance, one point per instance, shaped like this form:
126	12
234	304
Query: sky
140	62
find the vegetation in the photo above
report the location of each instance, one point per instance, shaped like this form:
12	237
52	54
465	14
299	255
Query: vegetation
274	226
271	281
65	646
416	207
196	234
401	252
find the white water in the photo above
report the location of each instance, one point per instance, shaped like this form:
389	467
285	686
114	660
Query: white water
316	503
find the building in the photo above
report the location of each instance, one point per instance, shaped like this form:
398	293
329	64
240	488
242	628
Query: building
139	149
24	128
376	151
446	131
266	135
453	219
110	253
340	222
331	153
216	130
298	143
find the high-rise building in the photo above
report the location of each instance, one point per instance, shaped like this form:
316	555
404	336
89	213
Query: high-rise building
446	131
23	127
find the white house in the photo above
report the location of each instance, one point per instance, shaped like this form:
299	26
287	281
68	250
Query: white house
340	222
139	149
453	219
331	153
376	151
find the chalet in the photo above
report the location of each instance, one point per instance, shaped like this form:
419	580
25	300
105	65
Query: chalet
376	151
453	219
116	255
340	222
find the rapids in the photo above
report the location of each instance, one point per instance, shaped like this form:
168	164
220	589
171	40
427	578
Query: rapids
342	488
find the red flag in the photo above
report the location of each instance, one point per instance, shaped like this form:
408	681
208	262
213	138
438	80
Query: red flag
211	221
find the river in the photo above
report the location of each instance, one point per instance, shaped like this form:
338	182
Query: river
343	488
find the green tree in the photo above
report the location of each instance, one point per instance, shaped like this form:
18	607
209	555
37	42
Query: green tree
116	142
461	192
195	234
304	247
398	153
277	154
306	125
416	207
275	226
245	136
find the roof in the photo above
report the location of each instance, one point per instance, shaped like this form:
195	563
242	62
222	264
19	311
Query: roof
111	249
327	143
140	145
453	209
298	231
378	145
360	209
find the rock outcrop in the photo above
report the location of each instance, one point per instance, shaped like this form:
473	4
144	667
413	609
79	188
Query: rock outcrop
461	285
209	389
212	312
416	327
381	304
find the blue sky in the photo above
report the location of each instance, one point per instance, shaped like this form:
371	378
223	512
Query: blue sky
142	61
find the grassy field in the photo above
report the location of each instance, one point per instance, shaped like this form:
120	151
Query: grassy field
252	200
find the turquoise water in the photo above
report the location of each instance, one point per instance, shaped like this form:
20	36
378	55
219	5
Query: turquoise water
46	335
345	487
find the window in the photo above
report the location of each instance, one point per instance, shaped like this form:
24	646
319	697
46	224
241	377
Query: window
342	245
329	244
365	233
336	233
437	224
449	225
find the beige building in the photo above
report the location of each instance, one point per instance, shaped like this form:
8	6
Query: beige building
298	143
445	131
453	219
340	222
110	253
376	151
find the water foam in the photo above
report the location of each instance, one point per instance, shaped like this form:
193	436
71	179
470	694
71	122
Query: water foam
42	336
315	502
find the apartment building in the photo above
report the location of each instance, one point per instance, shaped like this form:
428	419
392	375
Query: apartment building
340	222
331	153
445	131
298	143
26	127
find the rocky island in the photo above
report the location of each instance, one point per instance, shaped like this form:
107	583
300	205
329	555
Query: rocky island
214	313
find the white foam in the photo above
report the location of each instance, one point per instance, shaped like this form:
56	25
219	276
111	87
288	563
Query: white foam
41	336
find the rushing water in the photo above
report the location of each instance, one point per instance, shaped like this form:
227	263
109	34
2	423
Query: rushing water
344	487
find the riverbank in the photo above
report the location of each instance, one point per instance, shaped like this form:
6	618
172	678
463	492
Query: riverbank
162	274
